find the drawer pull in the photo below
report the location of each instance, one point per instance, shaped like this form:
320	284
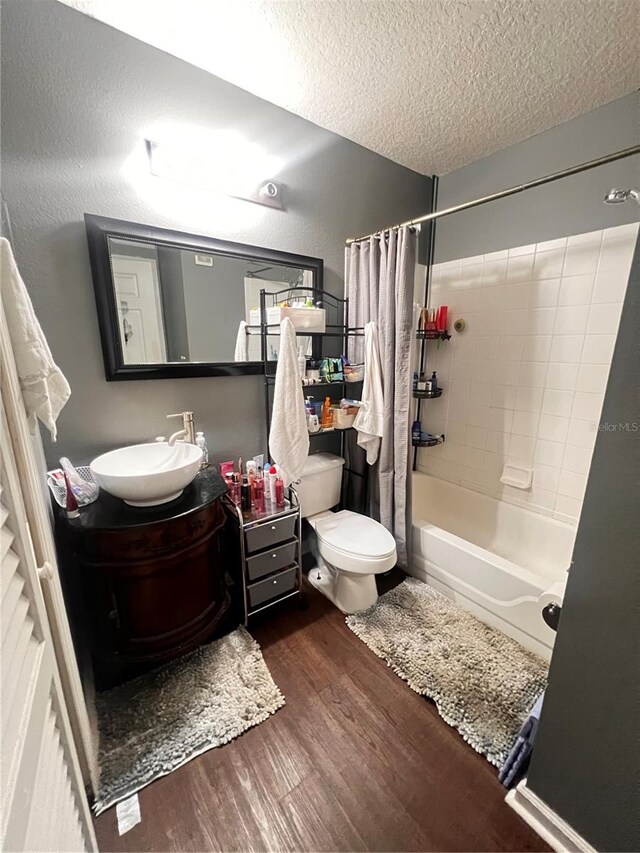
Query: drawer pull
274	555
275	581
273	527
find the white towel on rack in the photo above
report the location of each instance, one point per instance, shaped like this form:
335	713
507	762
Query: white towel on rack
289	436
242	343
369	422
44	387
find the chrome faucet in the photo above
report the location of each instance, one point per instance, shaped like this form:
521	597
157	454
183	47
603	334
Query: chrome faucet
187	433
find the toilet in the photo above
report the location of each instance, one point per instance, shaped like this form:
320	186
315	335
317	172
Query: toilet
350	548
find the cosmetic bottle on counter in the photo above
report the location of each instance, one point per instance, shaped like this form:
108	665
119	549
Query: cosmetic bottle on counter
234	488
245	495
259	493
273	477
279	492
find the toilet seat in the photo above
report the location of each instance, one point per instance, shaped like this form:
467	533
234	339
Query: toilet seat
354	542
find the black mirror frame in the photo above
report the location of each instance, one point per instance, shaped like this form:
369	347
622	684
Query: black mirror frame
100	228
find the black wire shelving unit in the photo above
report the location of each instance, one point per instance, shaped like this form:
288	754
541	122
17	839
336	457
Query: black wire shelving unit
337	329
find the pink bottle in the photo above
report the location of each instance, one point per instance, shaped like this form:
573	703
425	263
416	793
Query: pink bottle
258	487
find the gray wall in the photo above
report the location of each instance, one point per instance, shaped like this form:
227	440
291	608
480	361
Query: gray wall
570	206
586	763
173	307
77	98
214	304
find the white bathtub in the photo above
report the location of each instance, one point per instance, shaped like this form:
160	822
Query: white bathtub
494	558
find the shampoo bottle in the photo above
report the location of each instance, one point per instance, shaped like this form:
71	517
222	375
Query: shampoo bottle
416	431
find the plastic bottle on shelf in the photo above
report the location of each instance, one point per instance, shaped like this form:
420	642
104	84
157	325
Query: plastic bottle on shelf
302	363
327	414
310	409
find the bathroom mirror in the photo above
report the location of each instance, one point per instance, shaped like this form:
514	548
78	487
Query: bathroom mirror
172	304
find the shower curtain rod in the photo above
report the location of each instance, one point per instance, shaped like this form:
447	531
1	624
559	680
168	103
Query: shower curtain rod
537	182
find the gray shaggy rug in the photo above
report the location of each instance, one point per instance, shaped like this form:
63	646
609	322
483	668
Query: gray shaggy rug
152	725
482	682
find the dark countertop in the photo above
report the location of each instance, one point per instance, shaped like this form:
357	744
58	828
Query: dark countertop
110	513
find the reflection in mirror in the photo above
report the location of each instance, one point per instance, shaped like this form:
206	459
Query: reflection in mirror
176	305
172	304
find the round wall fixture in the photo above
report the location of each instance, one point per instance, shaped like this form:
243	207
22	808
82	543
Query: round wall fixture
460	325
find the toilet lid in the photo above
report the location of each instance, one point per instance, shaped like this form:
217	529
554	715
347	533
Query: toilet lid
355	534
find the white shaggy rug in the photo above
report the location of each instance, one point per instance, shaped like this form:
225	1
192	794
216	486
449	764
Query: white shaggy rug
156	723
482	682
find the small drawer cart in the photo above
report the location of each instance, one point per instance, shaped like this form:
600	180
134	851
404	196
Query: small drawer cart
270	553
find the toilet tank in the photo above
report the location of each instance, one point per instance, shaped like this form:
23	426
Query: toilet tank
321	483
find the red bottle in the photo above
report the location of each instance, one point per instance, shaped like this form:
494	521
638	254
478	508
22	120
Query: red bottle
258	488
279	492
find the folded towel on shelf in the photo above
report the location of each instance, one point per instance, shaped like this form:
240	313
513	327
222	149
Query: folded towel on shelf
289	436
242	343
517	761
369	421
44	387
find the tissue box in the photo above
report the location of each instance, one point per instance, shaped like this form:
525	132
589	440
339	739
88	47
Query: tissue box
305	319
273	317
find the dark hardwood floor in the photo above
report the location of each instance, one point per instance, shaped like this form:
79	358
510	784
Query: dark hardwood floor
354	761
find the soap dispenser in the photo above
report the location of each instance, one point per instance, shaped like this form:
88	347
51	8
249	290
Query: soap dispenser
201	442
432	384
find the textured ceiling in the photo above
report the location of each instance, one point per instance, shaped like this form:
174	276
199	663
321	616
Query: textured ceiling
431	84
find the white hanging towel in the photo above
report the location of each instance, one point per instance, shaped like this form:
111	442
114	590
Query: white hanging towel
242	343
369	421
289	436
44	387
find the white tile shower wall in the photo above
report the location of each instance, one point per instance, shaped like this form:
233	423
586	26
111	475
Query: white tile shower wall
526	380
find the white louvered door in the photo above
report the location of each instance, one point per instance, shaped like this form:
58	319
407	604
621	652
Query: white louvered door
44	806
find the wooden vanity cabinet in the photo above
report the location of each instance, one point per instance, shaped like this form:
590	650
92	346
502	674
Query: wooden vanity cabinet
154	583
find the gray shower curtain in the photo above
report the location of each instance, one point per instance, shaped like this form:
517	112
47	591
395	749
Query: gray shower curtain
379	281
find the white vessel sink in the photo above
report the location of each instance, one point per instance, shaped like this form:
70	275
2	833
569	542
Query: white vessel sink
147	474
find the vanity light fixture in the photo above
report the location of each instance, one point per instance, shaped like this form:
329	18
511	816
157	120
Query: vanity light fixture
210	170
